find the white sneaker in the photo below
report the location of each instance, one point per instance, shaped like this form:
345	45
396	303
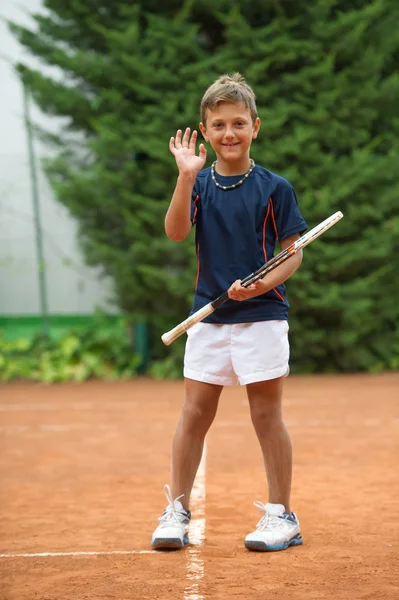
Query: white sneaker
275	531
172	531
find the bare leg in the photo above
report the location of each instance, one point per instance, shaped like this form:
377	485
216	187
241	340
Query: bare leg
265	399
198	412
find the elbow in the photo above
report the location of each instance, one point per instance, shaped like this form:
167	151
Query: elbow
176	236
177	232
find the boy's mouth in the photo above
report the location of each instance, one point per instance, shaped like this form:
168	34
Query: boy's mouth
231	145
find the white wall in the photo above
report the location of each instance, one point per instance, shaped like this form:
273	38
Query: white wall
71	286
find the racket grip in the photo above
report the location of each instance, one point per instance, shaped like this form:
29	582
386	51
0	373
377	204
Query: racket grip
177	331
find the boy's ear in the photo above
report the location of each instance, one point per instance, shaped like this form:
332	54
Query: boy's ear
203	131
256	128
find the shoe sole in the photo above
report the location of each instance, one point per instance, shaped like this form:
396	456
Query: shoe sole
262	547
169	543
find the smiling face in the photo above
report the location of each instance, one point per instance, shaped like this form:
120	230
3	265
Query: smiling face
230	130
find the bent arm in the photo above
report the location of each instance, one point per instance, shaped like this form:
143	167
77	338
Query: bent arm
281	273
177	220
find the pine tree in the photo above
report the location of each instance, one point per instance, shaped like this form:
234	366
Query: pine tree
124	72
327	84
325	75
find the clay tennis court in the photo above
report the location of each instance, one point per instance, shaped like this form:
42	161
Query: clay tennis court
82	473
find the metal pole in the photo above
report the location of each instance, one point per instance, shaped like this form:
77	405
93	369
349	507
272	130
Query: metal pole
36	213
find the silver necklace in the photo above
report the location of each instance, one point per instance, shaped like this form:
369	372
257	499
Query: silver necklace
231	187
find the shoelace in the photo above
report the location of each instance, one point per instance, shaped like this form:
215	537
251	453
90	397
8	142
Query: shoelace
171	514
268	520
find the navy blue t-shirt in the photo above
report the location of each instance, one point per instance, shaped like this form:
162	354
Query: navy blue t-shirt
236	233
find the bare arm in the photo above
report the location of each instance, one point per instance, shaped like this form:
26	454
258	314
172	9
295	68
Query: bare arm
284	271
177	220
279	275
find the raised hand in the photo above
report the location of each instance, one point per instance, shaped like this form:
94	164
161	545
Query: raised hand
184	151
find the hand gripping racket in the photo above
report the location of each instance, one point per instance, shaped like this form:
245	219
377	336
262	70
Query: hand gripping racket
209	308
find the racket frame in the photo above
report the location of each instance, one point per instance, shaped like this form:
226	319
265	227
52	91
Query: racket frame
273	263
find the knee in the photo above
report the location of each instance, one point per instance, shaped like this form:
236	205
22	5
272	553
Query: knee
266	415
197	417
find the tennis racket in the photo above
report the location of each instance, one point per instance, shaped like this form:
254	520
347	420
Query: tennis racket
209	308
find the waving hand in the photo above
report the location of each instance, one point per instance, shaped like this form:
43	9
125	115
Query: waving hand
184	151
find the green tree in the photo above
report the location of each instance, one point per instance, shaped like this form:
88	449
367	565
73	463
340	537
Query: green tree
327	83
330	117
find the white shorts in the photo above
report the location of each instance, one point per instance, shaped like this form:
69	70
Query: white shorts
237	354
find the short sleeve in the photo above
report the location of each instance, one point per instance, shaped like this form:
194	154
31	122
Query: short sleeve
195	203
288	218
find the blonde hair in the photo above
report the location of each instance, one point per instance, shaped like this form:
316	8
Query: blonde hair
229	88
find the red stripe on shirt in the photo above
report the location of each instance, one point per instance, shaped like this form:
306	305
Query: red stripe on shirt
196	209
270	211
198	267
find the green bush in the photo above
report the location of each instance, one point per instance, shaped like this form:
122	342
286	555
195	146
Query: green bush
92	351
326	78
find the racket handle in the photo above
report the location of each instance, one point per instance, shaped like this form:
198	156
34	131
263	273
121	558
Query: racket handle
177	331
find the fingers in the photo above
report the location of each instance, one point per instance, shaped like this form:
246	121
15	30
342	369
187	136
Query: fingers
234	291
186	144
239	293
186	141
175	143
202	151
193	140
178	139
186	137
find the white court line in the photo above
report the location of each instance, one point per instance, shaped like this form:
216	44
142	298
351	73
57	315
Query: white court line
299	402
105	553
349	422
56	428
195	564
312	423
25	407
54	406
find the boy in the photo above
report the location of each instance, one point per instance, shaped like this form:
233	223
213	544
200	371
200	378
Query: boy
240	211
